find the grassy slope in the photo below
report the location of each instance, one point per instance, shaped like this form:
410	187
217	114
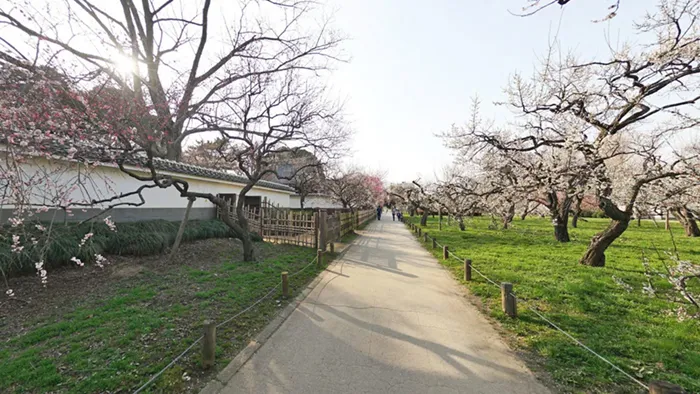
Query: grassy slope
632	330
117	342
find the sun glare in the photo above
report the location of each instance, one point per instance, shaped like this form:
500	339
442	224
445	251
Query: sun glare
122	63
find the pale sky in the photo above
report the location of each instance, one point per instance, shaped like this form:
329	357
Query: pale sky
415	65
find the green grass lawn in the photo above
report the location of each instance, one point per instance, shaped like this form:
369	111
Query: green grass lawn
638	333
115	338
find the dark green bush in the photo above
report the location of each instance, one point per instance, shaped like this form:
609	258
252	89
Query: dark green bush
592	213
134	239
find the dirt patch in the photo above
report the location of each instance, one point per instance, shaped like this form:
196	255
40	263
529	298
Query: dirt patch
127	271
69	287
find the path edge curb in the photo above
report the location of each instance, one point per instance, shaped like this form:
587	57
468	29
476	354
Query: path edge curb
225	375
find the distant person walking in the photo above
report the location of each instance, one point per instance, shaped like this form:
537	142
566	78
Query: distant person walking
379	212
393	214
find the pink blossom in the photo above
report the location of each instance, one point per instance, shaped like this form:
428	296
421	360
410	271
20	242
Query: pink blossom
15	221
16	248
108	221
85	239
41	272
100	260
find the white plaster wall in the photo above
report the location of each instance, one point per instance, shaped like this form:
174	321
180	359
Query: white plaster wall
78	182
323	202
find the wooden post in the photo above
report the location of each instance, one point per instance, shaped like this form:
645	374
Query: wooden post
332	247
181	230
425	237
316	228
285	284
434	243
209	344
467	270
319	258
657	387
322	238
420	231
508	300
262	223
445	253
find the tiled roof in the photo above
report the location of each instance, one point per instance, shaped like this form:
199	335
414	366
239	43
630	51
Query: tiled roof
99	155
189	169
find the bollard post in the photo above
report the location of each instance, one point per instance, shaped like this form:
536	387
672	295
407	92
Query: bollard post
425	237
285	284
434	243
332	246
319	258
508	300
445	253
467	270
209	344
657	387
420	231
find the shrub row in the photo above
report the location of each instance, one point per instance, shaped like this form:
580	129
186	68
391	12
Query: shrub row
134	239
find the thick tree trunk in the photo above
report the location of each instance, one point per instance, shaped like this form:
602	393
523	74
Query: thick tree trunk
244	235
687	219
692	230
561	229
560	221
424	218
460	220
595	254
576	212
559	212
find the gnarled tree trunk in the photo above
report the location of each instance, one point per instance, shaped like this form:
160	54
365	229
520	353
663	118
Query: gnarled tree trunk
687	219
460	221
561	227
595	254
576	212
559	212
424	217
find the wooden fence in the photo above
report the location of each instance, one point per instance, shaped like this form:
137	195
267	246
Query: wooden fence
301	227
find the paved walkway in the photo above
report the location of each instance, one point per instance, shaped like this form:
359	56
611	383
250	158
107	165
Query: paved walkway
385	319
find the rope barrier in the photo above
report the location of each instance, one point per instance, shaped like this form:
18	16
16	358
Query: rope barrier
307	266
176	359
541	316
475	270
587	348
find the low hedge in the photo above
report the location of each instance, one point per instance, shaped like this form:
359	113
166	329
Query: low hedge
133	239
